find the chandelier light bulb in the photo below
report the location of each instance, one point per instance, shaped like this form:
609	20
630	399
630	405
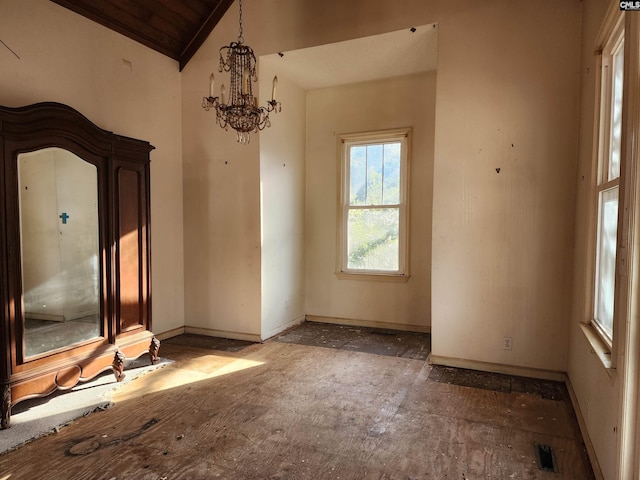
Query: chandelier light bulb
273	88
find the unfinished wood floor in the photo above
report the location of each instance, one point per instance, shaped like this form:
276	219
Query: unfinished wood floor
284	410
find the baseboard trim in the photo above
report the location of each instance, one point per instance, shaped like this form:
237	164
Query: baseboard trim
50	317
281	328
369	323
498	368
169	333
591	451
209	332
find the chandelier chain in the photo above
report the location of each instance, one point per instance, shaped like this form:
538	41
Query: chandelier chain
240	37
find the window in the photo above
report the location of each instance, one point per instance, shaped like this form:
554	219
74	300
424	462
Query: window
608	183
373	204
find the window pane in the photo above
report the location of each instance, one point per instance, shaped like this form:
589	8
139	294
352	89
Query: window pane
372	239
357	175
606	267
374	175
391	184
616	113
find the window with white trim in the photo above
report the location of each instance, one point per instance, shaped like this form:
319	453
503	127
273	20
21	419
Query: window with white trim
608	182
373	230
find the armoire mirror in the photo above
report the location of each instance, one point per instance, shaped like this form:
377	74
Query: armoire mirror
59	234
75	267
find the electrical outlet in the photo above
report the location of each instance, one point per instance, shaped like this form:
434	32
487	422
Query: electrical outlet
507	343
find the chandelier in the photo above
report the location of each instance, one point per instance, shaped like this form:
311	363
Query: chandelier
240	109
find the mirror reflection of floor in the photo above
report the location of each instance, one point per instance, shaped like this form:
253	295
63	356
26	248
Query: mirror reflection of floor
46	335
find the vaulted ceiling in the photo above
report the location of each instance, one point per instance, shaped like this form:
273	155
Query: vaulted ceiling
175	28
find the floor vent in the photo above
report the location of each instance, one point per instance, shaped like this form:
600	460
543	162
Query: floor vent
546	458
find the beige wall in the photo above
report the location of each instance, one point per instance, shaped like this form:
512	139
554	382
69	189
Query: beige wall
597	392
369	106
507	99
507	74
282	199
69	59
250	283
221	207
226	276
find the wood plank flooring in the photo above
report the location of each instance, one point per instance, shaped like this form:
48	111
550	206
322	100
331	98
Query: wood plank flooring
285	410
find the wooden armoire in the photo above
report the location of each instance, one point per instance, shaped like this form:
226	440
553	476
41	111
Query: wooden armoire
75	261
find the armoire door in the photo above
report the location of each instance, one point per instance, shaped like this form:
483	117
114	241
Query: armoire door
132	245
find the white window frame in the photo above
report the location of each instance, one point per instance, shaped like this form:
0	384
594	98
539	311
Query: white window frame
345	142
610	38
604	183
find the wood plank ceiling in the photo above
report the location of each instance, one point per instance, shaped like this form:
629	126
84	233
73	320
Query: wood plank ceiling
175	28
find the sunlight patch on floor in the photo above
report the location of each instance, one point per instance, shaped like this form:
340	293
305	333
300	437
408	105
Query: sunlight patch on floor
195	370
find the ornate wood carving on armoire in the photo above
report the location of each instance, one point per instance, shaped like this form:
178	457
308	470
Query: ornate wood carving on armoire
75	263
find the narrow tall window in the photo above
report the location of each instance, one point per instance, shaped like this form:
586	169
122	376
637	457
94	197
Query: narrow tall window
373	226
608	183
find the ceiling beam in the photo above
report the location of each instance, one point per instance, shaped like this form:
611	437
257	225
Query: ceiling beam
203	32
174	29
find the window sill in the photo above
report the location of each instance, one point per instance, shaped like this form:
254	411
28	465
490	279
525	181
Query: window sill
598	346
373	277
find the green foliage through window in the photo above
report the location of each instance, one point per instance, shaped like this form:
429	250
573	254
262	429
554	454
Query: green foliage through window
373	239
373	218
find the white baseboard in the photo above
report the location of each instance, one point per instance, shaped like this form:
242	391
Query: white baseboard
169	333
498	368
44	316
281	328
591	451
369	323
210	332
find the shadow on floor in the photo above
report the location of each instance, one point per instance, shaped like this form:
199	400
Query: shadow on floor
211	343
390	343
547	389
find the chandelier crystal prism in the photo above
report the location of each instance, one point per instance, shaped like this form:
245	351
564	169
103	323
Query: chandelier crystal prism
239	110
